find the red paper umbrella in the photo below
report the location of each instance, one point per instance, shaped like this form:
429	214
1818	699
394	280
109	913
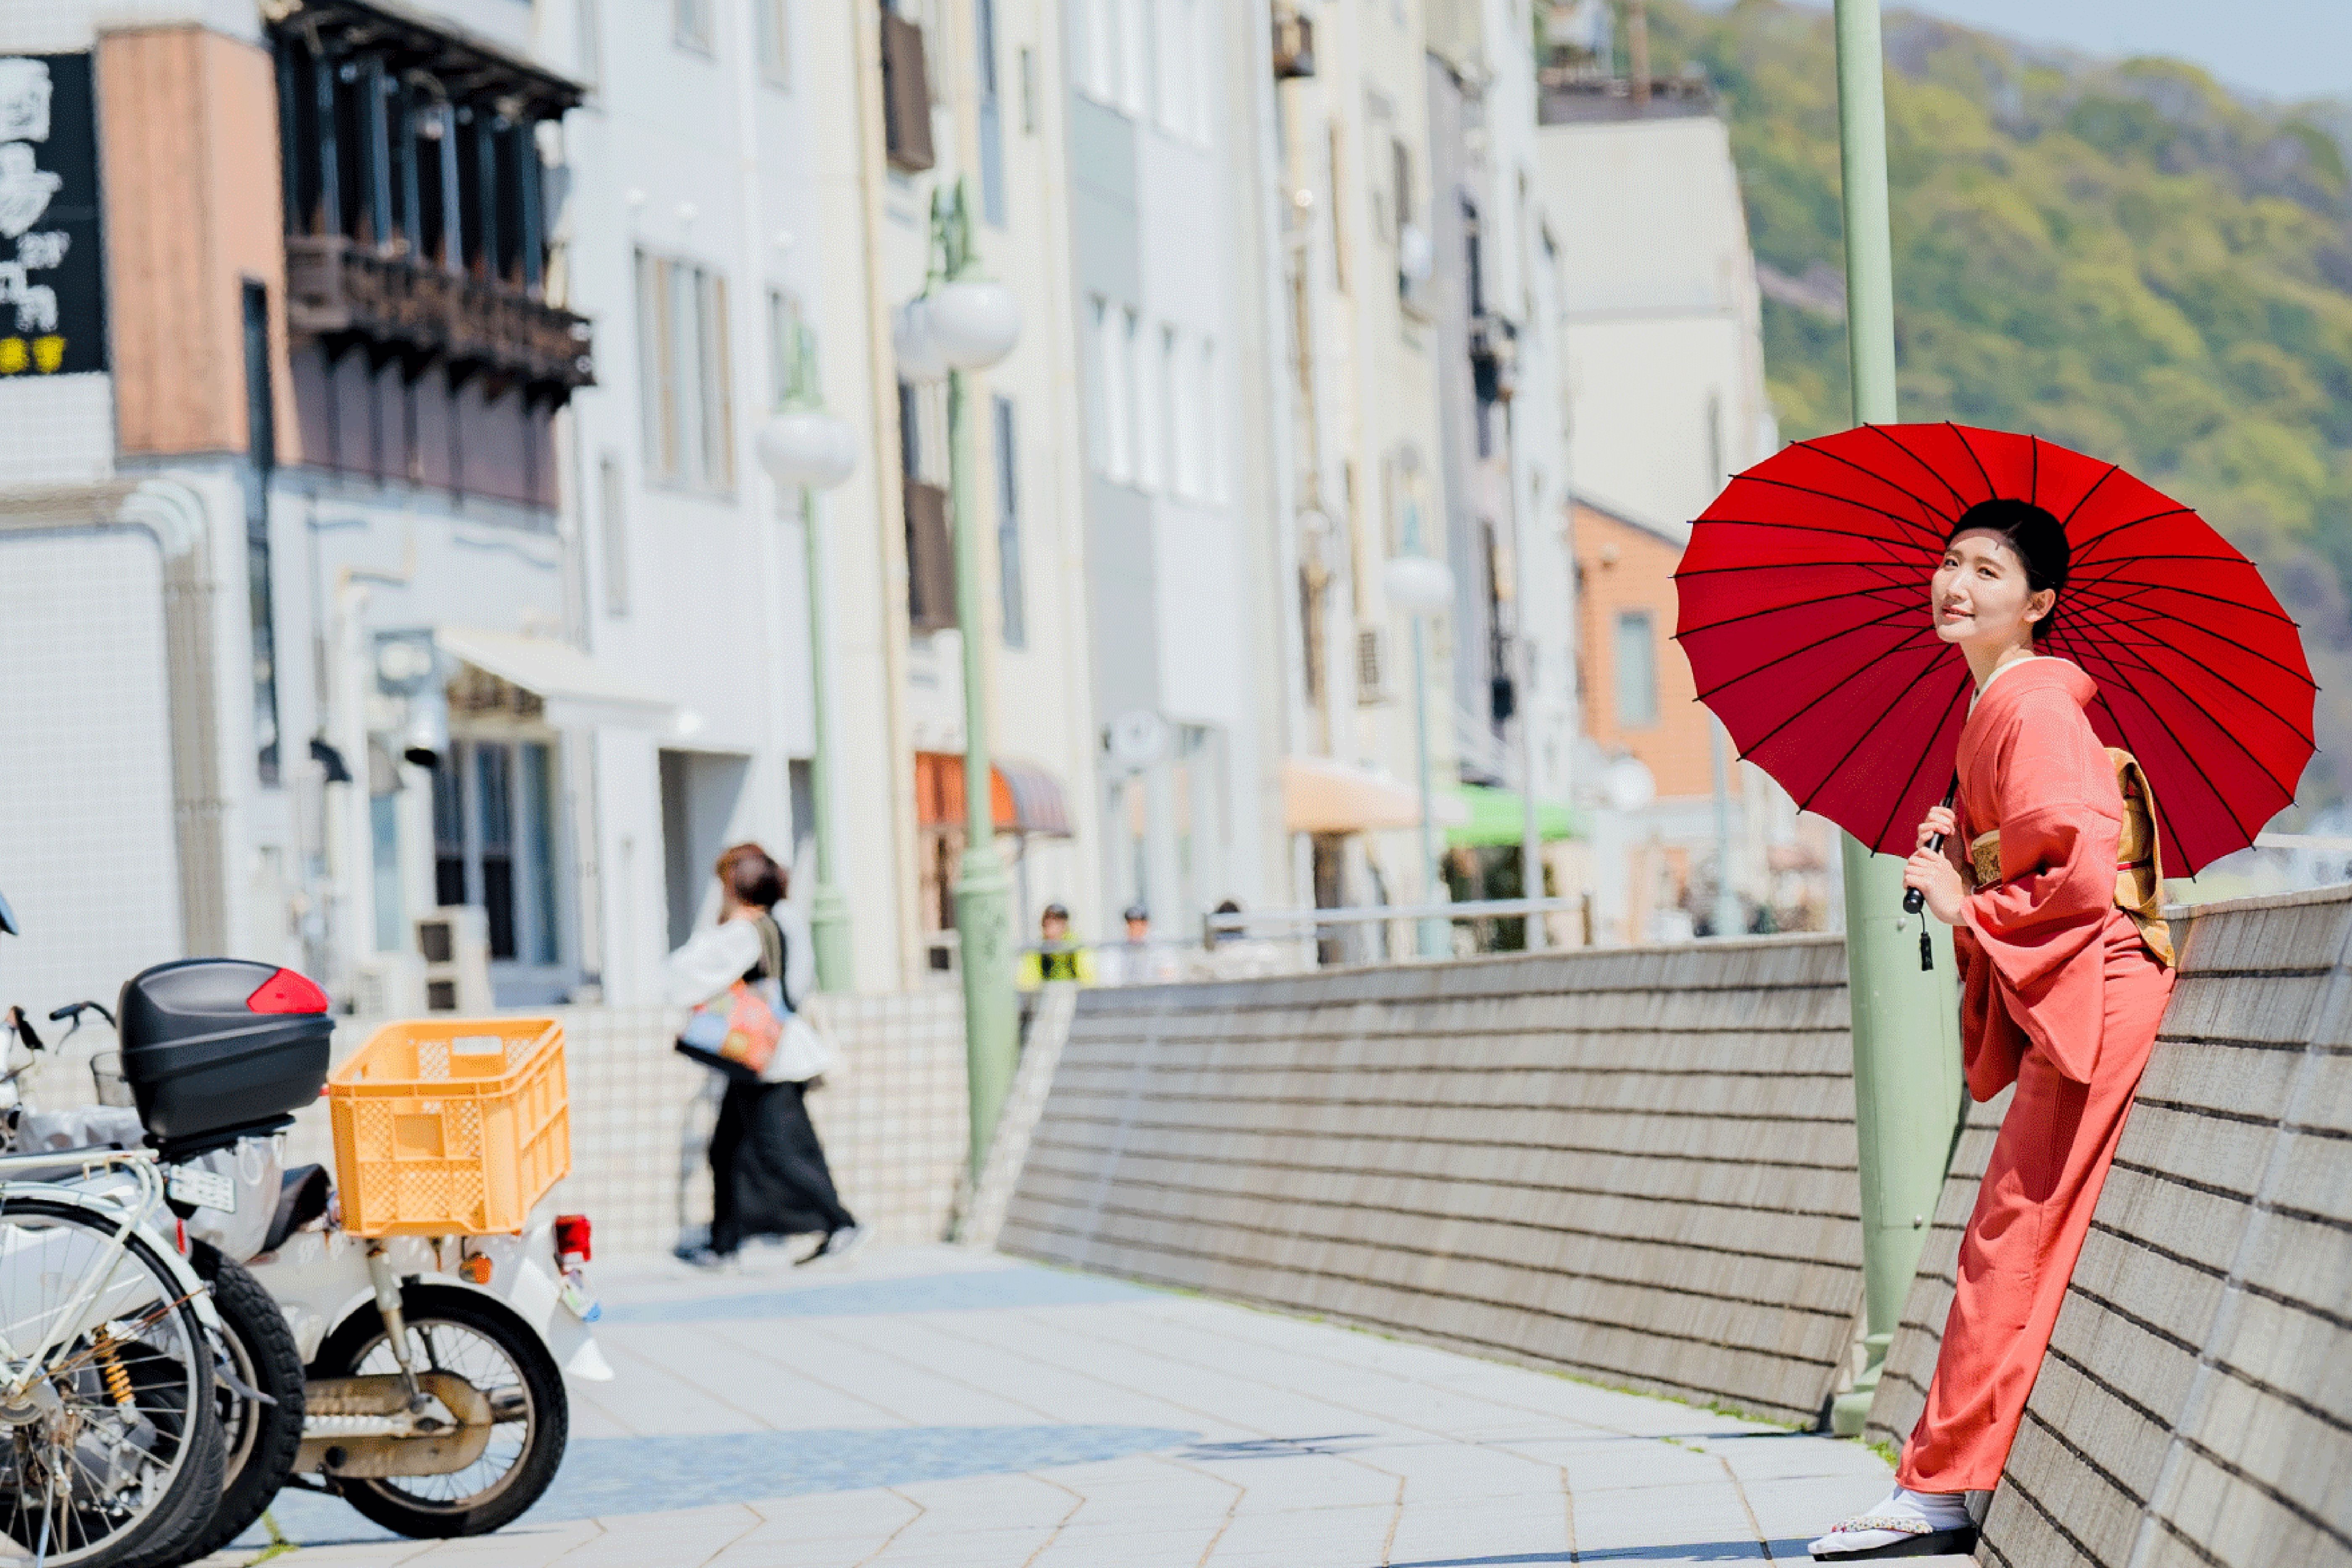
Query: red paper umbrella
1805	617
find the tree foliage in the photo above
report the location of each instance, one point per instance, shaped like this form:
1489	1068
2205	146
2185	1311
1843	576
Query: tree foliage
2119	257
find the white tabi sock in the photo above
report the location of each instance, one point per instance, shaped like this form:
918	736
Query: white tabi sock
1903	1515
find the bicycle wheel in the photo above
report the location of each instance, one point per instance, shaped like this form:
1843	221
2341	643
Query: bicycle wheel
111	1451
490	1347
261	1440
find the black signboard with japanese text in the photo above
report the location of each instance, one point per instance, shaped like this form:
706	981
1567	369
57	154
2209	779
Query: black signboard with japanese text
52	278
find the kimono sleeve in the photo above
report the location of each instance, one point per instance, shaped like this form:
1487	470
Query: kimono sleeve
2053	795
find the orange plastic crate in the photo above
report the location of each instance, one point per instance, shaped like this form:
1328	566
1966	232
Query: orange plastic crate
450	1127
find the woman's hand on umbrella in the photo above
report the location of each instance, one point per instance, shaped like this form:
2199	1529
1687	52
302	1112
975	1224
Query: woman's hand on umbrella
1939	823
1938	881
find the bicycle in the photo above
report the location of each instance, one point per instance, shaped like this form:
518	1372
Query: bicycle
110	1444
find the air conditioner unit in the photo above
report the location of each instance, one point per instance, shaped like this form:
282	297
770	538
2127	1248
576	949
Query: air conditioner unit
1372	666
453	942
388	986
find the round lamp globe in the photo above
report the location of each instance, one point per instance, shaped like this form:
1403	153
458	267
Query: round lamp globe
914	345
1417	584
807	450
974	323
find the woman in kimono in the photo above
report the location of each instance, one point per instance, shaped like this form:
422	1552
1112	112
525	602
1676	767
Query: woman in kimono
2050	879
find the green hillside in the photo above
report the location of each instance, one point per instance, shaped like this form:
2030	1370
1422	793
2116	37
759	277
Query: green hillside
2121	258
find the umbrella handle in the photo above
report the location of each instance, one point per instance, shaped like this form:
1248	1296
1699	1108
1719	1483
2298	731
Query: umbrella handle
1914	901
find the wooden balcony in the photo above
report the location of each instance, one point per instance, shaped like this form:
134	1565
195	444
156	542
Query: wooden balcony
341	291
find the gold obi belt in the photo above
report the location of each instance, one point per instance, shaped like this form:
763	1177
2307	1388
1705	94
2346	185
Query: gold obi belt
2140	870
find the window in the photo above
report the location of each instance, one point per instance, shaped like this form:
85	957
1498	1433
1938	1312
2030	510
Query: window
588	41
1172	467
691	22
992	115
1339	237
1212	450
1637	669
1134	55
783	347
261	443
1008	528
494	836
683	373
773	18
1186	477
1111	399
1144	375
612	523
1101	55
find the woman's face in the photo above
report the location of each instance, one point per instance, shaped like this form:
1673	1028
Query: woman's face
1979	596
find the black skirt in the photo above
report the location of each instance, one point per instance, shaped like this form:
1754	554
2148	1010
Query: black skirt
768	1175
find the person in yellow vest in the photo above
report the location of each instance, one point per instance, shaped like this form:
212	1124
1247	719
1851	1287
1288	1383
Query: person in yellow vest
1055	956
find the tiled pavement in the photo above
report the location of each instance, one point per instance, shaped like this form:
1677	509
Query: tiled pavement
930	1406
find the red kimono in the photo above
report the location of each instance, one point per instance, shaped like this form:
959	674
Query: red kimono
2065	974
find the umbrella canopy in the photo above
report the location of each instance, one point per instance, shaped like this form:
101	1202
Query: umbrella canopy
1805	617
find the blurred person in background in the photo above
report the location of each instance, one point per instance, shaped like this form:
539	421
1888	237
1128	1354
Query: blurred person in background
768	1172
1055	956
1140	961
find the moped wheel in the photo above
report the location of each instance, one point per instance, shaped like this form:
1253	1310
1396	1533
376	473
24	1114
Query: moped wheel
114	1457
260	1440
483	1343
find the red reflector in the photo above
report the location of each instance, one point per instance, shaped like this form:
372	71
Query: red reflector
571	1237
287	992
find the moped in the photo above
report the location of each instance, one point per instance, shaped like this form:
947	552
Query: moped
420	1377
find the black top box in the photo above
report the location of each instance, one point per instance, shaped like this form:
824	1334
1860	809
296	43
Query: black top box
214	1048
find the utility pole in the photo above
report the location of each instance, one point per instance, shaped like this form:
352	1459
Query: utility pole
1906	1052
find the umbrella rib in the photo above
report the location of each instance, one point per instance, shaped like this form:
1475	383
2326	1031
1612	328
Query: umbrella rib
2103	537
1895	804
2034	475
2084	499
2143	585
1874	624
1682	632
1919	501
1805	528
2109	637
1766	738
1855	502
1982	473
2107	652
2104	604
1883	433
2188	755
1795	566
1863	735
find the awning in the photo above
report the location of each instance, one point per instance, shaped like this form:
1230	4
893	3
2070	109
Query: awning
1322	795
1023	798
579	689
1498	817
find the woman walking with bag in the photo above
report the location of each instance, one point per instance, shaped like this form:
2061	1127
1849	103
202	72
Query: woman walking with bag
745	978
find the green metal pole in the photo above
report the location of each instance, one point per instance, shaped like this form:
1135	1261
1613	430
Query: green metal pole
1435	938
990	1021
828	910
1906	1052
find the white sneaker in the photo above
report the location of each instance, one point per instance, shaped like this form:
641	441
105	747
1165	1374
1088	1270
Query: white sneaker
837	1244
1908	1525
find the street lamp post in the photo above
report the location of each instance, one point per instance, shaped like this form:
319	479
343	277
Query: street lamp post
1906	1053
1421	587
966	323
805	449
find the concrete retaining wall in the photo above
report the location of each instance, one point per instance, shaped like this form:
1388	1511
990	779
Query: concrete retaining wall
895	1124
2196	1404
1634	1164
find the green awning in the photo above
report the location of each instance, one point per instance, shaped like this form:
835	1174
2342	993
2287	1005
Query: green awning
1496	816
